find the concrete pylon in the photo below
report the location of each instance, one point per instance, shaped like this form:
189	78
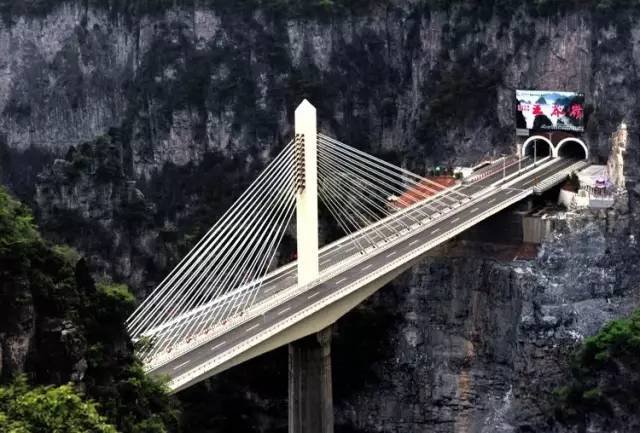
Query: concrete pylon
310	388
307	195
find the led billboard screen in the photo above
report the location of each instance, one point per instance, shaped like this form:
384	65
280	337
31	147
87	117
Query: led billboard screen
540	110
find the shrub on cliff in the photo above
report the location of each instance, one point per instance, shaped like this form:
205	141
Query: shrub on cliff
605	373
48	409
16	225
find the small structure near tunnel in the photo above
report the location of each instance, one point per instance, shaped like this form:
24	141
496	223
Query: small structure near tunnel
595	189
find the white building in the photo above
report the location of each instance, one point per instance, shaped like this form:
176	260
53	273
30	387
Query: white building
596	190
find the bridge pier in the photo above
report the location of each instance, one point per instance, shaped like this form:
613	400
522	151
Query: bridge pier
310	388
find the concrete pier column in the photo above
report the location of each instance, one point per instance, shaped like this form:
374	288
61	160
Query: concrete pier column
310	388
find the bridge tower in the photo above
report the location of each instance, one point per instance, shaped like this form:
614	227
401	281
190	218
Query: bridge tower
310	388
307	192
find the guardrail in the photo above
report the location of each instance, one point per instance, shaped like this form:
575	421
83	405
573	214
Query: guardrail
489	170
292	291
537	166
558	177
387	220
202	369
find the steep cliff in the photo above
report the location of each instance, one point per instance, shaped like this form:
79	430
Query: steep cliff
186	91
57	326
484	349
131	130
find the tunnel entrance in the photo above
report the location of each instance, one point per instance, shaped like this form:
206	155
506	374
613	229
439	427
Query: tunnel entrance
572	148
537	146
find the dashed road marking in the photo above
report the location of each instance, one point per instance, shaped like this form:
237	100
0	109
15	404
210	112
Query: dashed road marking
218	345
474	209
341	280
366	267
455	219
413	242
492	200
284	311
182	365
391	254
435	231
253	327
313	295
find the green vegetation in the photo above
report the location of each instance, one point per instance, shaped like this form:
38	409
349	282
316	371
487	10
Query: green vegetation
16	225
540	7
605	373
574	181
307	7
460	95
138	8
55	284
48	409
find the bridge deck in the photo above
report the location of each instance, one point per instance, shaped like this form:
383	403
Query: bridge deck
184	364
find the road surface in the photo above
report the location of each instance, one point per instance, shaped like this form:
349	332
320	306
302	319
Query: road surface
220	344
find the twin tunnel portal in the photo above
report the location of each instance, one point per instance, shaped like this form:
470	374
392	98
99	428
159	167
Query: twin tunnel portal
567	147
227	301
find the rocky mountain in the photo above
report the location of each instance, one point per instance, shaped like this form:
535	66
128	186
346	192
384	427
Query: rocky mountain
130	126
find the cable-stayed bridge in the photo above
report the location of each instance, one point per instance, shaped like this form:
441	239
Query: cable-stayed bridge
227	301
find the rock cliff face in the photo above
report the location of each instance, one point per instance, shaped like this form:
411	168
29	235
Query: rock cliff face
482	349
131	133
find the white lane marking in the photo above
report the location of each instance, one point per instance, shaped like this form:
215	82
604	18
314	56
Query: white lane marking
350	249
474	209
456	219
508	192
182	365
492	200
313	295
253	327
366	267
339	281
268	290
218	345
435	231
391	254
413	242
284	311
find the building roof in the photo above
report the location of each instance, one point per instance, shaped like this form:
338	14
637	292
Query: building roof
594	175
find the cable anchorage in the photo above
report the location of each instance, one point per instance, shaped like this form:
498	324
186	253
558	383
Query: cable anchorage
299	162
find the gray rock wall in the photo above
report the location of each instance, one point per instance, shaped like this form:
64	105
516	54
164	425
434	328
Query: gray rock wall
195	100
483	343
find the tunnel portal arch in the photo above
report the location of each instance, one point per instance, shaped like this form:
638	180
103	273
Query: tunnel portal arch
540	151
571	147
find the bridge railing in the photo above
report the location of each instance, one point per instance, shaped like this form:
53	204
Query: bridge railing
288	293
541	164
291	291
202	369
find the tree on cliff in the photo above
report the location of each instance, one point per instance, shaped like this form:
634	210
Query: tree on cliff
605	374
48	409
78	336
